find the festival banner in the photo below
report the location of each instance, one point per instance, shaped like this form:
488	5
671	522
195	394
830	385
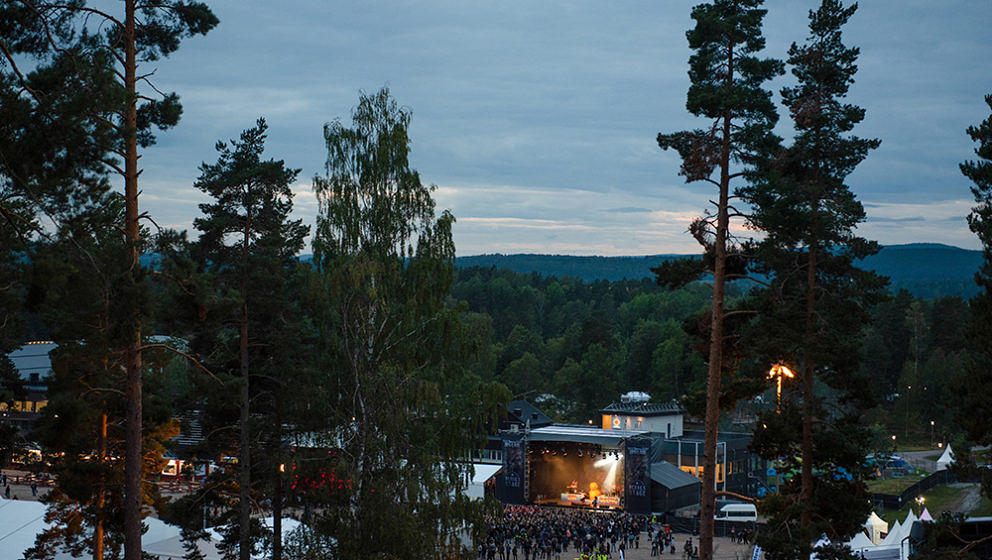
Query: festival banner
637	475
514	468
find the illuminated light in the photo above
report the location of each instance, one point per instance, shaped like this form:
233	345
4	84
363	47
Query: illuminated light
779	371
282	467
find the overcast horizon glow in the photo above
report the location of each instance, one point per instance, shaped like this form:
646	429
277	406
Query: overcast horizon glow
537	120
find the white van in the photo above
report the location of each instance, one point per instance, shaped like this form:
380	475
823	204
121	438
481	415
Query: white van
737	512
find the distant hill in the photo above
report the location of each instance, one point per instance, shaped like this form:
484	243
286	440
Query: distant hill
924	269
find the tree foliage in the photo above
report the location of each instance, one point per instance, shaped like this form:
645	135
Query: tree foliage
817	302
398	407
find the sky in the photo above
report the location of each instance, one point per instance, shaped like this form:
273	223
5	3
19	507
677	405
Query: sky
536	120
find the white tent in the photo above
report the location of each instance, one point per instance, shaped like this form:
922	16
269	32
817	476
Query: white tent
876	526
946	459
925	516
20	522
860	542
23	520
907	524
895	535
482	472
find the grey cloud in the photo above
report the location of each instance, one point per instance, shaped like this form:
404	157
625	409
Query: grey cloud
566	97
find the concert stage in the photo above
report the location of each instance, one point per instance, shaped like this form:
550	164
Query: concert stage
577	466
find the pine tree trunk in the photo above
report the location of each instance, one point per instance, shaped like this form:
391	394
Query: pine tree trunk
715	366
277	490
806	492
134	459
101	453
244	481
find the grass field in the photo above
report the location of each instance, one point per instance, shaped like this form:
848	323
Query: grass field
940	499
893	485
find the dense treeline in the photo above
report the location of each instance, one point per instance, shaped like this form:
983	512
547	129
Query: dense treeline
586	343
928	270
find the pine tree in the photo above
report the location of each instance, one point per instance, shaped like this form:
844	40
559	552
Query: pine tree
76	285
727	78
977	379
248	248
142	33
817	303
395	407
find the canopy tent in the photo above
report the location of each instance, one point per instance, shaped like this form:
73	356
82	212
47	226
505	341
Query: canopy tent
482	473
876	526
21	521
895	535
925	516
946	459
859	542
907	524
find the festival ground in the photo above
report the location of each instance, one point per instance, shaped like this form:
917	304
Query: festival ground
723	549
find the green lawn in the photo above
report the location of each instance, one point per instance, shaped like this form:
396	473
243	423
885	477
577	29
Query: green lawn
984	508
937	500
914	447
893	486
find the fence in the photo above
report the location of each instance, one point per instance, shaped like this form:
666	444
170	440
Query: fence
721	528
891	501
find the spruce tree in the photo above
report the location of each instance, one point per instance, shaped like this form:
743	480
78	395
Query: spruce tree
816	306
727	78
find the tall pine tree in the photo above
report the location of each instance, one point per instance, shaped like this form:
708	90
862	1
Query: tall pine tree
140	33
727	77
247	247
815	309
976	381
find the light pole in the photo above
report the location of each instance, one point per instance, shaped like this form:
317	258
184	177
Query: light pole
931	433
779	371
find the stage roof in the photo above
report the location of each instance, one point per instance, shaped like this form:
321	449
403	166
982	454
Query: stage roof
582	434
644	409
670	476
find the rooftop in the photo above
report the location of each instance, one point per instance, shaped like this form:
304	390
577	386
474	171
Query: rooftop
582	434
644	408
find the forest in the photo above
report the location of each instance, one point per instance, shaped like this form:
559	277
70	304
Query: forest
573	347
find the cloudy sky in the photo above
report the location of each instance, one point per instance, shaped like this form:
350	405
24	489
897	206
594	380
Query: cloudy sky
537	119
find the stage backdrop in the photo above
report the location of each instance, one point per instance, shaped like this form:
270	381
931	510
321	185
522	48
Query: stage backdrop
514	469
637	475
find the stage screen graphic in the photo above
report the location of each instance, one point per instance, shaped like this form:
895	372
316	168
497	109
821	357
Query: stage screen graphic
514	468
575	475
638	475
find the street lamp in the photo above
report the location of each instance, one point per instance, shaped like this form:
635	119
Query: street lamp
777	372
931	433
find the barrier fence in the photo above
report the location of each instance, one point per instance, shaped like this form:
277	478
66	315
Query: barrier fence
897	501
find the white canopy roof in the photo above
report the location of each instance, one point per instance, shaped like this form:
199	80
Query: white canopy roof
907	524
925	516
876	526
895	535
860	541
946	458
484	472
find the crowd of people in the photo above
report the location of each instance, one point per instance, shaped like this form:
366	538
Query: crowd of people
540	533
549	533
